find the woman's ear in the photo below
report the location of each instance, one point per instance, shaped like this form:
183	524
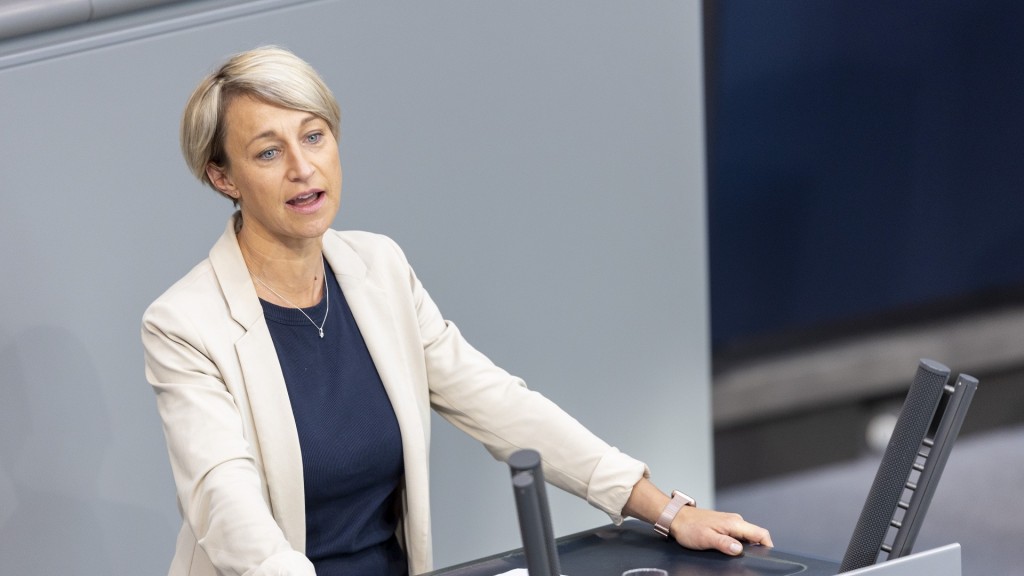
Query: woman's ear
221	181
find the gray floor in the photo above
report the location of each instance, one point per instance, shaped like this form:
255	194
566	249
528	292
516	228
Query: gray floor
979	503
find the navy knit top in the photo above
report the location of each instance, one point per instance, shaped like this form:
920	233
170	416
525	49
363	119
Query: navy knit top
349	437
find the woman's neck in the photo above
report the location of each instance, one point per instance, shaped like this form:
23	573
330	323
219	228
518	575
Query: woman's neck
285	275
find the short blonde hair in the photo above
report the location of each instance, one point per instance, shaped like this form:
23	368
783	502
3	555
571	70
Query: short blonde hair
269	73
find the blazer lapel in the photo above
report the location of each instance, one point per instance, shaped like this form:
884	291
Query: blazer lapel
371	307
277	439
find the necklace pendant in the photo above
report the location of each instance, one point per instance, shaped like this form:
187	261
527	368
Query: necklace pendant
321	332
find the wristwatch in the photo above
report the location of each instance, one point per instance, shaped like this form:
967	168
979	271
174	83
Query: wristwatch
669	513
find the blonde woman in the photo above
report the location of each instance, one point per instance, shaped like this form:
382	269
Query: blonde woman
295	368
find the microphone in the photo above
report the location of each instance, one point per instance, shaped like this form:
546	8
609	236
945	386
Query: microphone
534	514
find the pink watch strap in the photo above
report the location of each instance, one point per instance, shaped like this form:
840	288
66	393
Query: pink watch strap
669	513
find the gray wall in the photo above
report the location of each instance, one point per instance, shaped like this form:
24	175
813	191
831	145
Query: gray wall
541	163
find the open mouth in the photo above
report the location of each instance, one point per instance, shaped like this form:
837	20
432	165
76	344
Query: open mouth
306	199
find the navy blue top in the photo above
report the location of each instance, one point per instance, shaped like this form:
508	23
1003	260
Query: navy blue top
349	437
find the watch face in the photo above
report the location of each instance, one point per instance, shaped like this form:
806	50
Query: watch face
687	501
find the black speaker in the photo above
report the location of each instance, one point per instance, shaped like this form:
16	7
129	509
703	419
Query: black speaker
904	448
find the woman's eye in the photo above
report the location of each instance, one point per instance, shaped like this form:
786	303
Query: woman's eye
267	154
314	137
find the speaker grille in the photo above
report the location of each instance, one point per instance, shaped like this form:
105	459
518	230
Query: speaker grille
897	463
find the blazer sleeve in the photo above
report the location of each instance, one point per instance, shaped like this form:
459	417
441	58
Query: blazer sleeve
498	409
219	488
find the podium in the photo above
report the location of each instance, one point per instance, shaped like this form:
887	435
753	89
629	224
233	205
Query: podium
611	550
928	424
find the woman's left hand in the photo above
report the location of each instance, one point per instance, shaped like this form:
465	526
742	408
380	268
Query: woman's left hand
696	528
704	529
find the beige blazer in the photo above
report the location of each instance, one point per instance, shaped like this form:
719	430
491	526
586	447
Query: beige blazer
231	436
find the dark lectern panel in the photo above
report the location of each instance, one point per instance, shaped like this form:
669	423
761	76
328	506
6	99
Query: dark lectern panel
611	550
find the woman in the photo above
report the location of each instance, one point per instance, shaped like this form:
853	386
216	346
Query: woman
295	368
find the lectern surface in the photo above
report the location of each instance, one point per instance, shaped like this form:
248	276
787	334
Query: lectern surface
611	550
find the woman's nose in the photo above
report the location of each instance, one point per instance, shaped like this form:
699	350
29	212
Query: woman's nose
301	167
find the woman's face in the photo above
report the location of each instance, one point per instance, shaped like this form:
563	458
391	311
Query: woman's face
283	168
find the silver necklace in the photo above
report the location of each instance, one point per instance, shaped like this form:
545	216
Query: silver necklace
327	296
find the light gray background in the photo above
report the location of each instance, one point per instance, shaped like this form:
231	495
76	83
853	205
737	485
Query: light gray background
541	164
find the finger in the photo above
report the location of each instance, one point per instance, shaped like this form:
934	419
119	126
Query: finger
730	546
754	534
740	530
